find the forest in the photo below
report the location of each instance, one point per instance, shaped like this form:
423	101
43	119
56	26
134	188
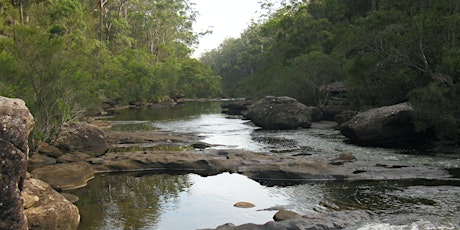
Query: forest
63	57
385	51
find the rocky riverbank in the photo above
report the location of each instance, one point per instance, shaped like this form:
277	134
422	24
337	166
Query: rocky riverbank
83	149
160	151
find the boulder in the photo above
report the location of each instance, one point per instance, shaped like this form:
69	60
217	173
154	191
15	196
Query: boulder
66	175
279	113
16	122
385	126
243	204
285	215
49	150
344	116
83	137
47	209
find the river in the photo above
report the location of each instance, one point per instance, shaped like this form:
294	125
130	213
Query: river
188	201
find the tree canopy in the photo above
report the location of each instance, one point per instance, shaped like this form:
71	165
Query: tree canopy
63	56
387	51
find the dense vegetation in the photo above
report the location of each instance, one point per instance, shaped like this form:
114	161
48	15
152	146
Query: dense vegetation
386	51
65	56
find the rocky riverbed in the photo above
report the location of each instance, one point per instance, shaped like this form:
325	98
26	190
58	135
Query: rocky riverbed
83	150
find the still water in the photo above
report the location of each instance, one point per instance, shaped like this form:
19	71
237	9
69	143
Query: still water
189	201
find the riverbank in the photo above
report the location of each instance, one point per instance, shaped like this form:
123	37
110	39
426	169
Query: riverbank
148	150
182	149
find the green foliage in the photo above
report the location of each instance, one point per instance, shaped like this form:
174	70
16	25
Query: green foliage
434	111
66	56
387	51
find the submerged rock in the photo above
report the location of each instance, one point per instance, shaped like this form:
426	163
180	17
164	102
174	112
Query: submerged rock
279	113
244	205
66	175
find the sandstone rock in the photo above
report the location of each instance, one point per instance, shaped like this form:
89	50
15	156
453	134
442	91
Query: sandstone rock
70	197
346	156
29	200
51	210
82	137
244	205
16	122
279	113
66	175
49	150
38	161
73	157
285	215
317	221
344	116
389	125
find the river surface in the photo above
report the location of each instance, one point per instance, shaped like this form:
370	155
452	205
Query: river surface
189	201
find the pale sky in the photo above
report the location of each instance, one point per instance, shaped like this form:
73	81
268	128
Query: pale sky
226	18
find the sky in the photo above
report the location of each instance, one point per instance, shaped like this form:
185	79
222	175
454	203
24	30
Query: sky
226	18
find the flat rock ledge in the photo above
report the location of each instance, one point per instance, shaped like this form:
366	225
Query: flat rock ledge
314	221
267	168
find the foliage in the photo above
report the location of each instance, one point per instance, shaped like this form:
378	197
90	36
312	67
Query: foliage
66	56
387	51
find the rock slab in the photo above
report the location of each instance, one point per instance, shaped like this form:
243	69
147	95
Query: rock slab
47	209
66	175
16	122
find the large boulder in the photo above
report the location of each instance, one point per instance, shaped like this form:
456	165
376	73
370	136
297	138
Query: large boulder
66	175
279	113
16	122
82	137
47	209
385	126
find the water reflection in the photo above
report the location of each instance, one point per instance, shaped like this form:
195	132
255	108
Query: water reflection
160	201
119	201
180	111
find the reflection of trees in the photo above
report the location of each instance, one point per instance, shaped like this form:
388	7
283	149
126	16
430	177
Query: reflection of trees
180	111
126	201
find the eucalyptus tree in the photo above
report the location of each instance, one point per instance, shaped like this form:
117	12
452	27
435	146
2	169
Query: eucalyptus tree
46	63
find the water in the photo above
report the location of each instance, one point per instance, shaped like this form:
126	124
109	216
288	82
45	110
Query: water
162	201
